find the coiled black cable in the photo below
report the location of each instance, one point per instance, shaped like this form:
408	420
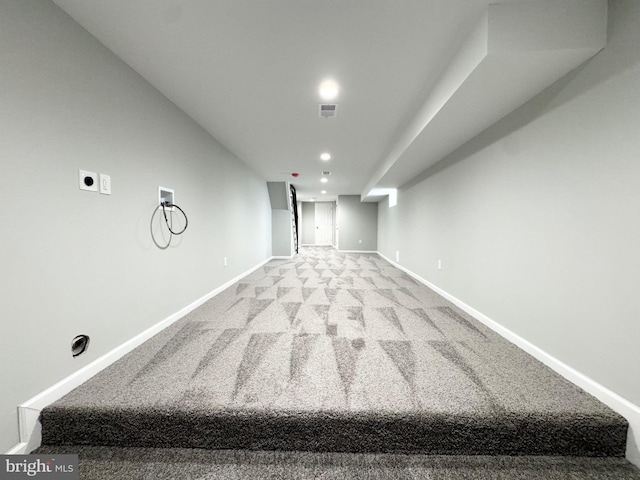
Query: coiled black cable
164	212
169	221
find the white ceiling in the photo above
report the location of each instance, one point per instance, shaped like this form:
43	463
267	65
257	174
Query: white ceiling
248	72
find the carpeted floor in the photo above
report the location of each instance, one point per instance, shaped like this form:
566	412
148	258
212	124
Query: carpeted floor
108	463
332	352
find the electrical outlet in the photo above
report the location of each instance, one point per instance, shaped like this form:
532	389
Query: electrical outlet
439	264
105	184
225	261
166	195
88	180
360	242
397	256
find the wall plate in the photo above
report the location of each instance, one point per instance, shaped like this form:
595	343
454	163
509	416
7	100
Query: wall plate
166	195
105	184
88	180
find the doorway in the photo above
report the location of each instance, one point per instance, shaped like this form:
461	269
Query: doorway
324	223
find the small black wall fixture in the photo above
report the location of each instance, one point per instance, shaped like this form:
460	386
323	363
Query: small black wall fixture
79	345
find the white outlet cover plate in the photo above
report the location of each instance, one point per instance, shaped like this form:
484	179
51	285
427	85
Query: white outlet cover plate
105	184
82	175
166	194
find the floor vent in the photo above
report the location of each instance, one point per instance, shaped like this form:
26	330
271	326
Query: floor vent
327	110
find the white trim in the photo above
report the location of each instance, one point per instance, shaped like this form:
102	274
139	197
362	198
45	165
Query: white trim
29	411
282	257
19	449
614	401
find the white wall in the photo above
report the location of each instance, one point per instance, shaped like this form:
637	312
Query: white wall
282	233
358	224
307	223
281	219
537	220
75	262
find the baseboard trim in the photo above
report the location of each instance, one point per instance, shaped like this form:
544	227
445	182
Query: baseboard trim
19	449
29	411
614	401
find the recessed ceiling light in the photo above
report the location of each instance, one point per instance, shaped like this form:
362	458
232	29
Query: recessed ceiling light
324	192
329	90
324	179
325	156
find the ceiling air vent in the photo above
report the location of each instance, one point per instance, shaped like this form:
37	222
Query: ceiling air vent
327	110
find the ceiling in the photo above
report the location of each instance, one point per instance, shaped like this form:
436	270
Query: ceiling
248	71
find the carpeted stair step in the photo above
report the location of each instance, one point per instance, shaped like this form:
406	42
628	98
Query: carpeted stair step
108	463
331	352
501	434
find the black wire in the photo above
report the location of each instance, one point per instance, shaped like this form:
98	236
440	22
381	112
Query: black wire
186	220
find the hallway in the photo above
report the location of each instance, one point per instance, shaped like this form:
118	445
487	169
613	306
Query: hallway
334	352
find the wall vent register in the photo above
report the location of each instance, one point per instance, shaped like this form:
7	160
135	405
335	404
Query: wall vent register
328	110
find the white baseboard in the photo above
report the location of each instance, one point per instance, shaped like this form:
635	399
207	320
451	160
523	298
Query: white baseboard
29	411
19	449
614	401
282	257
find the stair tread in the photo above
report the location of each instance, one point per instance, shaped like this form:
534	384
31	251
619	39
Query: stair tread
507	434
331	352
102	463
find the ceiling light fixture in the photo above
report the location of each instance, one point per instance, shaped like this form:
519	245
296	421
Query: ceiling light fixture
324	179
323	192
329	90
325	156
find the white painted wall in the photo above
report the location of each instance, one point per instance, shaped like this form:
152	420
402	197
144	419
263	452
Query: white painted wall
358	224
537	219
281	219
307	223
282	233
75	262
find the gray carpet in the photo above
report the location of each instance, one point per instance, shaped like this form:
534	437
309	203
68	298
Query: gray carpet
332	352
108	463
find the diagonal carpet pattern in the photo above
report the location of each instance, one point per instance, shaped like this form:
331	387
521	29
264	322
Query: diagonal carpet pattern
332	352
